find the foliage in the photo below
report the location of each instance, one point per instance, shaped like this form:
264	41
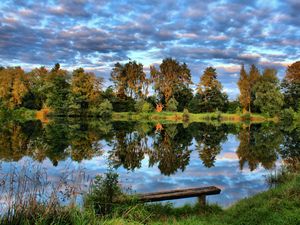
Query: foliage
172	105
130	80
233	106
105	191
287	116
183	96
169	76
268	98
85	91
291	86
36	96
245	91
254	76
125	104
210	92
13	86
104	109
57	90
185	115
143	106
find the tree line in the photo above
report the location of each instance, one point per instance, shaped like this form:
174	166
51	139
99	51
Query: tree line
81	93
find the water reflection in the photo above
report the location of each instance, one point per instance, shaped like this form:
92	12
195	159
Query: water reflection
259	144
138	150
168	147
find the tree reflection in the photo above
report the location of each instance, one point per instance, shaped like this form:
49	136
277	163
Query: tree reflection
290	150
15	138
164	145
170	149
259	144
209	138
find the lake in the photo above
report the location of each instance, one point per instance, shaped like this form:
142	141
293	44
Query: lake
67	154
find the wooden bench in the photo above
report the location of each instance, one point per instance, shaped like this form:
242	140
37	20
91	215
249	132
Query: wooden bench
180	193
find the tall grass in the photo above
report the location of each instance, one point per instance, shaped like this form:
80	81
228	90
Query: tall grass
28	194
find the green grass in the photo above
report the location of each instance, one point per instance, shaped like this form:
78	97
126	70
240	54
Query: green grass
177	117
280	205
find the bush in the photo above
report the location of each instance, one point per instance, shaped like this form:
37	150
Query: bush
246	116
123	105
172	105
185	115
103	110
143	106
104	193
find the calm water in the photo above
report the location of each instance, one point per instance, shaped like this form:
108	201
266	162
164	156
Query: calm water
151	157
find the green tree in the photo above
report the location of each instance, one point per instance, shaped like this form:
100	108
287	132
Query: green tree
57	89
143	106
85	90
268	98
210	91
254	76
36	97
291	86
170	75
172	105
183	95
245	91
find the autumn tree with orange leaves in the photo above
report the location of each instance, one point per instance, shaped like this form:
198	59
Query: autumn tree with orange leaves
130	80
13	86
169	76
291	86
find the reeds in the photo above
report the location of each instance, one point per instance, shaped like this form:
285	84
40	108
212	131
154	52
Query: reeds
27	192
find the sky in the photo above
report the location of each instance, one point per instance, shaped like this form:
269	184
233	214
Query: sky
97	34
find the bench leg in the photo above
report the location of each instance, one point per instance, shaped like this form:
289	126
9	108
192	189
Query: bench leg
202	200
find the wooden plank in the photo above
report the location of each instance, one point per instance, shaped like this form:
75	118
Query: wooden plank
202	200
177	194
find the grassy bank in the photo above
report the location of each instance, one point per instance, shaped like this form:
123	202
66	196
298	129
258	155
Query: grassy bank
280	205
180	117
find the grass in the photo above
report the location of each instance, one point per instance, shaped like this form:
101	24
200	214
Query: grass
177	117
279	205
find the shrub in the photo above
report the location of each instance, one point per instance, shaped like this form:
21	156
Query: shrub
185	115
143	106
104	193
246	116
103	110
172	105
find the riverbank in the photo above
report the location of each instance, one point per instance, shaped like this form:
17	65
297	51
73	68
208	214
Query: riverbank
180	117
279	205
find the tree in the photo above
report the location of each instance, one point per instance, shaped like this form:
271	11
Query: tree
245	91
210	91
130	80
291	86
143	106
254	76
36	97
169	76
267	93
183	96
13	86
57	89
172	105
85	90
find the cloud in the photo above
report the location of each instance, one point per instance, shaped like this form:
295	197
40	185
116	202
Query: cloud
199	33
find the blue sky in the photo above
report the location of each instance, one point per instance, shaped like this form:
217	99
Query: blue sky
96	34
